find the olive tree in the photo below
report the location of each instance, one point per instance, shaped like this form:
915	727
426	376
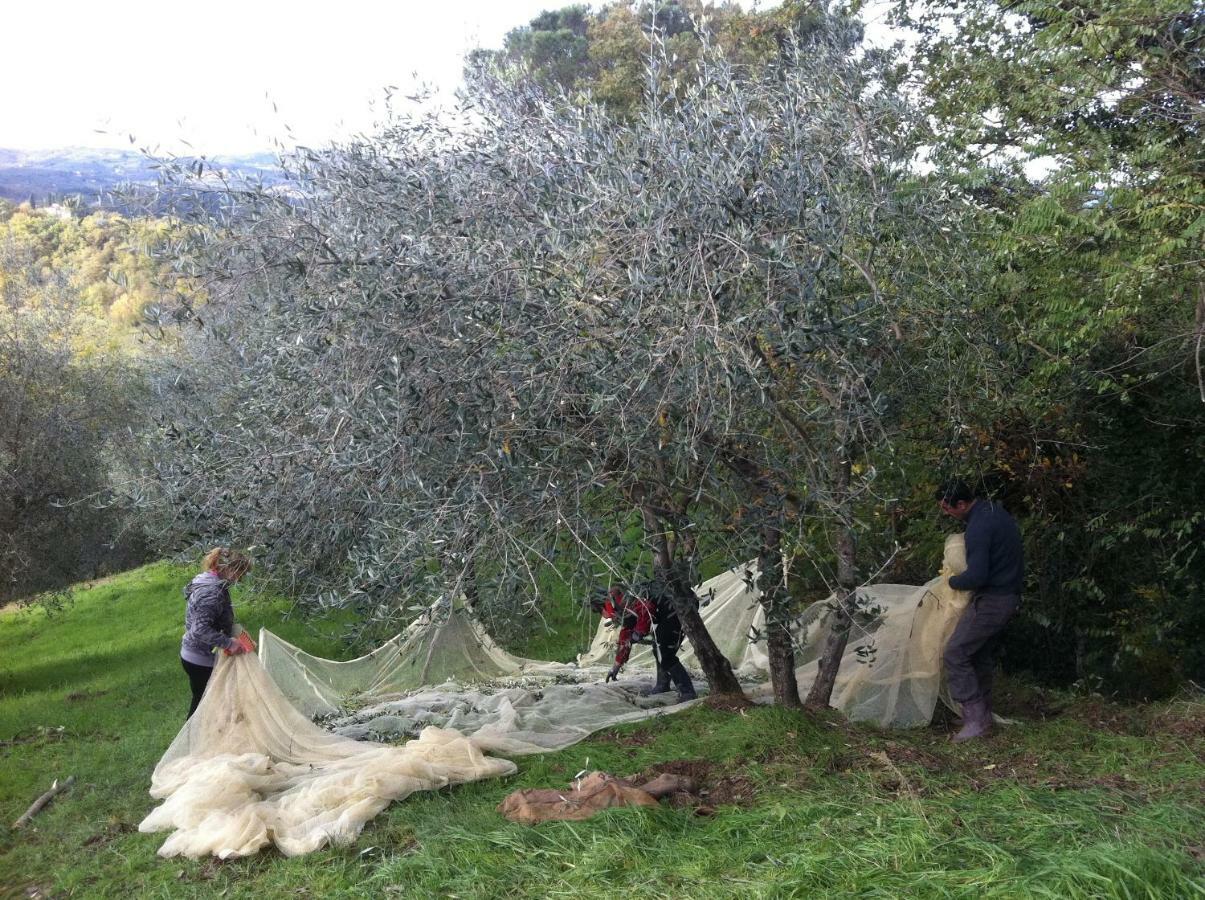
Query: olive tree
472	347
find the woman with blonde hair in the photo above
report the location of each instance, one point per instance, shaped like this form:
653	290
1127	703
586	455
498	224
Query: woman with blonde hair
209	617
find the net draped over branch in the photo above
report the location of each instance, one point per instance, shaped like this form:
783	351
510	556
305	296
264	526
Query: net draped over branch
891	673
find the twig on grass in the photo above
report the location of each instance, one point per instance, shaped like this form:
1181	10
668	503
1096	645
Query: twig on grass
55	790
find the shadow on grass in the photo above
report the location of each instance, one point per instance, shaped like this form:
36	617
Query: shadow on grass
77	672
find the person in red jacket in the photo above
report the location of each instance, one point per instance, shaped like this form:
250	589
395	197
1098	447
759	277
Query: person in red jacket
647	616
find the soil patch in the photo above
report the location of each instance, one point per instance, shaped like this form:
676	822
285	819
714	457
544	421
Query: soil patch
1016	700
210	869
1185	718
39	734
697	769
714	787
903	754
1110	717
731	790
112	831
1182	720
728	702
632	739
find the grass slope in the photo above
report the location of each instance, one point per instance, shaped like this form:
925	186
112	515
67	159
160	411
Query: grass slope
1094	800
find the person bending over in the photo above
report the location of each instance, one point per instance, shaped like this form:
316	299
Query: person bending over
209	618
647	616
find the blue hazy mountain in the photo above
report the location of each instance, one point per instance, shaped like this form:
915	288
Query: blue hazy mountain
88	176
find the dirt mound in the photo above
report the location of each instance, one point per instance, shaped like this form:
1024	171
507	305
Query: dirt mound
727	702
713	787
731	790
697	769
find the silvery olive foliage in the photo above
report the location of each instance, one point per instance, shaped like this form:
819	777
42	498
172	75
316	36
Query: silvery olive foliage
488	343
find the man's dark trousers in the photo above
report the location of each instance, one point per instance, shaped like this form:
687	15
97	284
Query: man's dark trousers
970	655
669	640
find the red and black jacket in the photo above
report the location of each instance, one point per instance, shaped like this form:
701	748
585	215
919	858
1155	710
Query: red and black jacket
635	617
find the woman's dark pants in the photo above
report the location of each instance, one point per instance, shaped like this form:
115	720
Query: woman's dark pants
198	677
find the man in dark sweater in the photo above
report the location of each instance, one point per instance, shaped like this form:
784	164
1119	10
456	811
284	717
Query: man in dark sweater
994	575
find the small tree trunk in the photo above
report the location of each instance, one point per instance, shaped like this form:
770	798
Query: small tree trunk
834	648
847	581
469	585
776	603
715	665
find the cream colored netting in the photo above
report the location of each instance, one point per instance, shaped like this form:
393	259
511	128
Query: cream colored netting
445	644
891	673
446	671
515	717
249	770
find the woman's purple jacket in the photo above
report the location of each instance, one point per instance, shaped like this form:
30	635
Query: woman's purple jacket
208	619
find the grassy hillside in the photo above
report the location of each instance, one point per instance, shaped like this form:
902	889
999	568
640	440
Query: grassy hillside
1084	799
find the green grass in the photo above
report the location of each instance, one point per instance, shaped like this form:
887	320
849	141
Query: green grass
1097	800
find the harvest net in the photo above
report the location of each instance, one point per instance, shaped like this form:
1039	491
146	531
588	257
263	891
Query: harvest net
445	670
249	770
446	684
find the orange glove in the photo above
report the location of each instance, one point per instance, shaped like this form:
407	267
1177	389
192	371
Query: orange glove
244	643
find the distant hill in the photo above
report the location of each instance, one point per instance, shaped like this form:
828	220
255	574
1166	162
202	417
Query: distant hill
88	175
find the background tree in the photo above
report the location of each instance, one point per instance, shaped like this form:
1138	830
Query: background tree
68	439
1094	429
107	260
604	55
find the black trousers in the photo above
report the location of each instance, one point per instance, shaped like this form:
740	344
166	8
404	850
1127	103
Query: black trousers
198	677
669	640
970	656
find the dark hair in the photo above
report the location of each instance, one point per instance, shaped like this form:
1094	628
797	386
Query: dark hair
954	491
597	597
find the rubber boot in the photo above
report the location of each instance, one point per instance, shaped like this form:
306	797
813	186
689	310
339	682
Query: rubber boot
976	721
660	686
681	679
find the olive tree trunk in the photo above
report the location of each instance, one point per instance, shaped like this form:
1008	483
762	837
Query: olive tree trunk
715	665
777	602
847	581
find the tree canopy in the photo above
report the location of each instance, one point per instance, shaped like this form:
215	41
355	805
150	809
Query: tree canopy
679	285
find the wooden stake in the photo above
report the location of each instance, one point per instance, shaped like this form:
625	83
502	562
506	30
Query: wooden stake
55	790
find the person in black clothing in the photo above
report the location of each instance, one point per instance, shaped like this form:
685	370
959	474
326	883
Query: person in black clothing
994	575
647	614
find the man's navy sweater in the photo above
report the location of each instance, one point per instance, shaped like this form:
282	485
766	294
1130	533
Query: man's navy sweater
995	560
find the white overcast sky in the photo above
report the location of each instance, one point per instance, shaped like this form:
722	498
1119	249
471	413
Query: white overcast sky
209	72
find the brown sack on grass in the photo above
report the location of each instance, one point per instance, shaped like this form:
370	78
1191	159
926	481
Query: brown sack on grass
585	797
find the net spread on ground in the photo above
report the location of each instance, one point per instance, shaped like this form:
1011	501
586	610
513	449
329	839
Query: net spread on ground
284	750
